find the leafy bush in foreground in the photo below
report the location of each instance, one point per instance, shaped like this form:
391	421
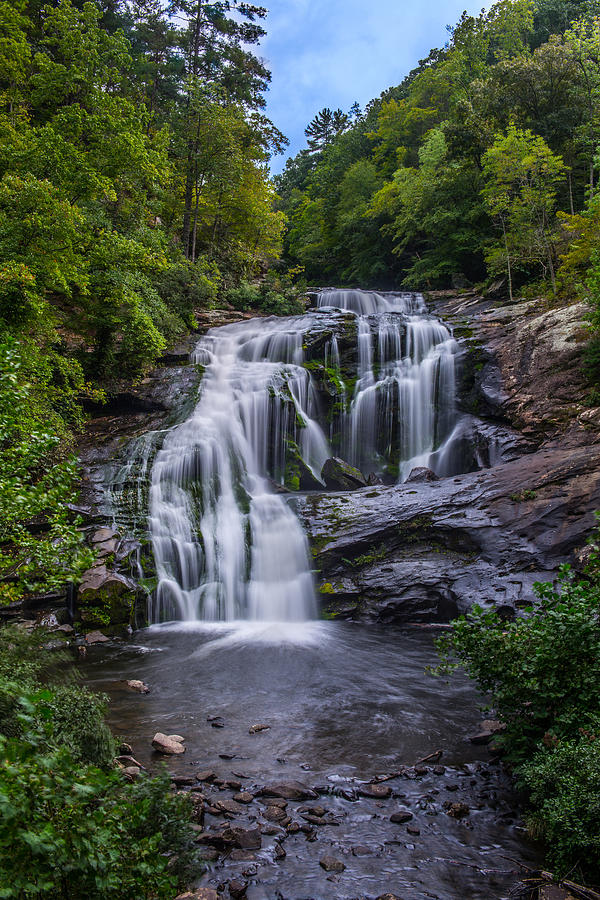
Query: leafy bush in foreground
70	827
542	675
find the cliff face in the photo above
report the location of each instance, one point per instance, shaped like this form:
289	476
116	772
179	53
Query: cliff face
423	552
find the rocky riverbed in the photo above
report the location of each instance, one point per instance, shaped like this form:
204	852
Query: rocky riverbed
323	760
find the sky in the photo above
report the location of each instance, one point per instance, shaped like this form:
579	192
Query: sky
333	52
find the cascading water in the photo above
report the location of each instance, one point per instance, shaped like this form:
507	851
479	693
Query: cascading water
227	545
402	413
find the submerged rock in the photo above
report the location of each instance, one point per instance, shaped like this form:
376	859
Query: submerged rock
290	790
339	475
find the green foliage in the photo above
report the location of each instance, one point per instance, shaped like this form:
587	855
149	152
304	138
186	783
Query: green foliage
542	675
564	786
69	825
521	175
36	483
276	295
68	831
493	133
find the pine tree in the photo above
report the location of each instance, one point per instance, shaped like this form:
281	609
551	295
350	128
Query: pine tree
325	126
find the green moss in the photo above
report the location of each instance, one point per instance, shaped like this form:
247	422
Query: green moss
523	495
327	588
366	559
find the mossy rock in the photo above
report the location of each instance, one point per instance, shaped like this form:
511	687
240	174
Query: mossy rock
106	597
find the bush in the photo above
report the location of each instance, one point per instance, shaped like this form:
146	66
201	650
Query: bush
69	825
564	787
542	674
276	295
69	831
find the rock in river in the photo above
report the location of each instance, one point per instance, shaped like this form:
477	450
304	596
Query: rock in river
290	790
167	744
331	864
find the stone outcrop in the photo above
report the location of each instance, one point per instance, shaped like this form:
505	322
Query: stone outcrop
523	362
427	550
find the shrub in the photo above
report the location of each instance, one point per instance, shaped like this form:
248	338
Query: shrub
542	675
69	831
69	825
564	787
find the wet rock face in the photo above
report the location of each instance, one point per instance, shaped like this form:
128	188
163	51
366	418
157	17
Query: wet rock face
426	550
339	475
423	552
522	362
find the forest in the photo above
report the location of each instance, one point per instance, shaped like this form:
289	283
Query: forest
135	194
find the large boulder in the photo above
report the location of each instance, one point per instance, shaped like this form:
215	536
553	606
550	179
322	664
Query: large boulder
339	475
307	479
103	593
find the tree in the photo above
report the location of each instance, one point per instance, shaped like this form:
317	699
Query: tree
325	126
521	175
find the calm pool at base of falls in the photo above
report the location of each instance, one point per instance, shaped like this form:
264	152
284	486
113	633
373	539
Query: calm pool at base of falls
344	703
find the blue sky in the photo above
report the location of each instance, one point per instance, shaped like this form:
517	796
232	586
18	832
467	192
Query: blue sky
333	52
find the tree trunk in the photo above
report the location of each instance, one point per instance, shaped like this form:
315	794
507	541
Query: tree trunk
571	195
510	291
199	187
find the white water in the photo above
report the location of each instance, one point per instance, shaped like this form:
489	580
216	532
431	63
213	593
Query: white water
403	412
227	545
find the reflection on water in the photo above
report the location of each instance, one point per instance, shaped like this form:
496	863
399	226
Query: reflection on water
343	702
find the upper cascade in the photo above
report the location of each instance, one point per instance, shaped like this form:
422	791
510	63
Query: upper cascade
367	377
369	303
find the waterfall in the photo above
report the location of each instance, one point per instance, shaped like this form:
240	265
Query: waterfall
226	543
402	414
226	546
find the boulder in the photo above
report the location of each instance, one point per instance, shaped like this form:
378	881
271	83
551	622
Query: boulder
331	864
489	728
138	686
248	838
96	637
339	475
421	473
237	889
290	790
167	745
307	480
256	729
104	534
375	791
106	590
401	816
